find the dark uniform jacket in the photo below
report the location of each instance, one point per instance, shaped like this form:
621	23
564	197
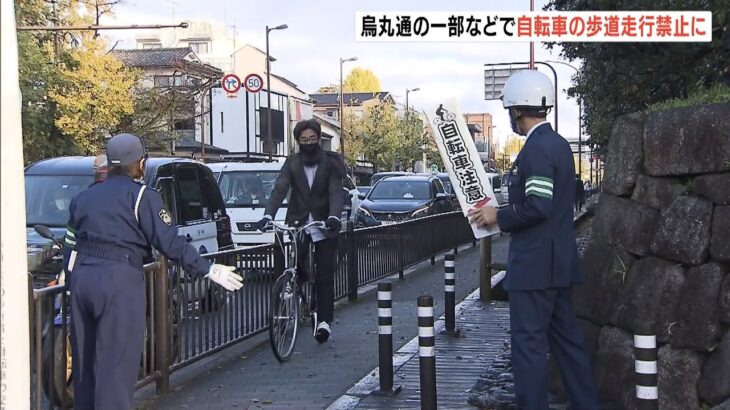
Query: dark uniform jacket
119	220
326	197
542	252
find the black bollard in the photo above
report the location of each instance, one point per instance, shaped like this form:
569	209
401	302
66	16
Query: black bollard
385	341
450	293
645	365
426	353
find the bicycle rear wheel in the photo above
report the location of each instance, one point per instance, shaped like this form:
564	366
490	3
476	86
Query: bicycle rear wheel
283	316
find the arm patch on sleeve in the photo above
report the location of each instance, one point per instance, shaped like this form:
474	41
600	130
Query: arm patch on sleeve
165	216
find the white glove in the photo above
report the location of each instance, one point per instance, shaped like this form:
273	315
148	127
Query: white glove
225	276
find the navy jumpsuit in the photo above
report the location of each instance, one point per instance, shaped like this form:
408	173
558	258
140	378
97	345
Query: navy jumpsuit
542	266
111	229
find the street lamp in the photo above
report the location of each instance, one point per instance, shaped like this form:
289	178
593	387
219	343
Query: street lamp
269	127
580	121
408	124
342	116
408	107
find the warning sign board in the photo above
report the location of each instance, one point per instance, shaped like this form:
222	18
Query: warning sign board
468	177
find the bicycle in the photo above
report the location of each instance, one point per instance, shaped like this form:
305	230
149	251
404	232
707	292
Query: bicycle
287	305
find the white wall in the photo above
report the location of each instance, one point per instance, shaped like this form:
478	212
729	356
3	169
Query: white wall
240	131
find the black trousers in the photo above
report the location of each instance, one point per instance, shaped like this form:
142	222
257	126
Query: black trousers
325	264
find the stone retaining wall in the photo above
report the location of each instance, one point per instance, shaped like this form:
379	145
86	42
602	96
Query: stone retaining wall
659	257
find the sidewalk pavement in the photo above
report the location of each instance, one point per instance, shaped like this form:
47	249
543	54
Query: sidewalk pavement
247	377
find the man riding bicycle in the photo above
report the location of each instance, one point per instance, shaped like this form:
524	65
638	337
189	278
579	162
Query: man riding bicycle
315	178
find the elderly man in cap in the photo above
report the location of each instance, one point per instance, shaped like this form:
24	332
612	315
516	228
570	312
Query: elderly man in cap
100	169
111	229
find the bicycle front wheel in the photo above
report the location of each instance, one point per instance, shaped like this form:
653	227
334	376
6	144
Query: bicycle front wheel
283	317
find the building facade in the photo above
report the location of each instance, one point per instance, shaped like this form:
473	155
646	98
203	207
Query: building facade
480	126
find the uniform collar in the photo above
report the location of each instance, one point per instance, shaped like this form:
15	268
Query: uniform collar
534	127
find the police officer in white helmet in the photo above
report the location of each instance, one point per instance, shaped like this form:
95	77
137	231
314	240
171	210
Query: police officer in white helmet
543	256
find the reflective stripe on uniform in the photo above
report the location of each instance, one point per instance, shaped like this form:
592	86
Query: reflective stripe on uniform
539	186
139	199
70	238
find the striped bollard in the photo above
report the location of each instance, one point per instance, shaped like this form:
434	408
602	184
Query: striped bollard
645	364
426	353
450	294
385	341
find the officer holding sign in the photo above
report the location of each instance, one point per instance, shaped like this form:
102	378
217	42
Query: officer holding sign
543	256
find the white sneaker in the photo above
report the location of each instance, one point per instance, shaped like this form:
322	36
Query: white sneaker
323	332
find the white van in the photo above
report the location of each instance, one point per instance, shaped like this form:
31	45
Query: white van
246	188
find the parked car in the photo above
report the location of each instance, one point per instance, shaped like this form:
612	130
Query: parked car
380	175
448	188
187	187
400	198
246	188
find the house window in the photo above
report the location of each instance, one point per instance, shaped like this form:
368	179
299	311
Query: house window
186	124
199	47
168	81
149	46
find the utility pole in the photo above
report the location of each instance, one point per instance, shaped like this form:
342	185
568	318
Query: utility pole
342	112
269	126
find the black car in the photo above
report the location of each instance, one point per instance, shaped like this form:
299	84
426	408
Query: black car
401	198
188	189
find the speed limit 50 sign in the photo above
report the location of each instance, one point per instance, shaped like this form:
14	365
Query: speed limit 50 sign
253	83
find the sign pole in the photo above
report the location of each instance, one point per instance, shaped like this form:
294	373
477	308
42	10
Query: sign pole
14	320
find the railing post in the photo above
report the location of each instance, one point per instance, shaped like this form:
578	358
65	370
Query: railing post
352	276
426	353
401	263
485	268
163	326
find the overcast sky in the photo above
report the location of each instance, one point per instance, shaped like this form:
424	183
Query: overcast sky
322	31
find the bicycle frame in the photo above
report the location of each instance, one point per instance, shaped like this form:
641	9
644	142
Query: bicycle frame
294	235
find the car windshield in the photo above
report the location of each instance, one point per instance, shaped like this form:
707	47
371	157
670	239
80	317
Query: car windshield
47	197
247	189
400	190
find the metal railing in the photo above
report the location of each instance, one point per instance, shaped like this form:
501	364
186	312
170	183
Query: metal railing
202	318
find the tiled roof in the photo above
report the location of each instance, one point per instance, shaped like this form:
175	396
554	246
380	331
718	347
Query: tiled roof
155	57
348	98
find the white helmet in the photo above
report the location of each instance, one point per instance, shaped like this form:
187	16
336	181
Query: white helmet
528	88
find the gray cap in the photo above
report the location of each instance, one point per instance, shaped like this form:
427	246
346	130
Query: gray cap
124	149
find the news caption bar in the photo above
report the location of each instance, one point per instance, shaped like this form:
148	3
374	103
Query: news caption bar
500	26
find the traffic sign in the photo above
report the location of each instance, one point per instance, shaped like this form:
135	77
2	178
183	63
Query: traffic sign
253	83
231	83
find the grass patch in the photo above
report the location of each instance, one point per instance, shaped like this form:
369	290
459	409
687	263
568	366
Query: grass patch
719	93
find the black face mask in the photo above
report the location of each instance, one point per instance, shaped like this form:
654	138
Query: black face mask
513	122
311	153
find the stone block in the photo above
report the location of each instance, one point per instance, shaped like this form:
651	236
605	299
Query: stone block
697	323
649	297
605	268
689	140
715	381
625	223
720	242
722	406
615	367
725	300
684	231
679	373
623	161
657	193
715	187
